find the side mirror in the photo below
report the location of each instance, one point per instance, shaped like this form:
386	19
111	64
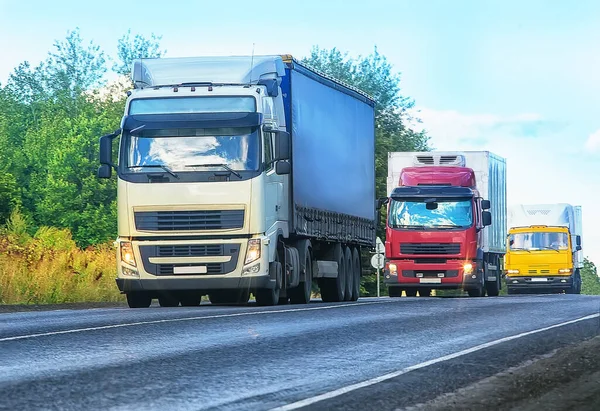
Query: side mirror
485	204
578	240
382	201
283	167
578	248
106	148
486	218
104	171
283	149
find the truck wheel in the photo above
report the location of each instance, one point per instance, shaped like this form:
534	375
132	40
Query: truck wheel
411	292
190	299
168	300
424	292
268	296
477	292
138	300
333	289
356	272
349	274
493	289
302	293
395	292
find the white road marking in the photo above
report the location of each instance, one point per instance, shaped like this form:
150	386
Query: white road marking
170	320
376	380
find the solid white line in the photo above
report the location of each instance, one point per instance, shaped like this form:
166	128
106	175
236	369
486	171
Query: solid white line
170	320
376	380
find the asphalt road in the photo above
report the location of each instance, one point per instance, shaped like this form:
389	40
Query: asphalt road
373	354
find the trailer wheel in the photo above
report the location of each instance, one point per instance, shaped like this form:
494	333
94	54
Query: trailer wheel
395	292
476	292
268	296
139	300
411	292
333	289
190	299
356	273
168	300
349	272
424	292
493	288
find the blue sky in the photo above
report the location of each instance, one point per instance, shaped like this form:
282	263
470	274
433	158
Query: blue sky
521	79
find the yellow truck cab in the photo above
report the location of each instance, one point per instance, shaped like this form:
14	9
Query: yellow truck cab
544	257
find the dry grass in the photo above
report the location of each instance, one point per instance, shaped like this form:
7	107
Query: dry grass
49	268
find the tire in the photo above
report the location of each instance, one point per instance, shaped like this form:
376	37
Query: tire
267	296
424	292
395	292
138	300
349	274
356	272
477	292
411	292
190	299
333	289
302	293
493	289
168	300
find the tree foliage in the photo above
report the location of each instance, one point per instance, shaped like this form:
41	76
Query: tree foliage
50	119
130	49
589	276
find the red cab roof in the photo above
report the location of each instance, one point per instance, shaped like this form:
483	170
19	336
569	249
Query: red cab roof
453	176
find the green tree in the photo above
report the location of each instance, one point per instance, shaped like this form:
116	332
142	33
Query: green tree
589	276
374	75
139	46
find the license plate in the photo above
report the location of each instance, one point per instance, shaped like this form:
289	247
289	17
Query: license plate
199	269
539	280
430	280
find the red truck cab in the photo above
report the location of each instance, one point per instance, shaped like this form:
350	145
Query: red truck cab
433	232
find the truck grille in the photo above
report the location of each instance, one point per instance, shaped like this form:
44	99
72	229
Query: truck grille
430	248
430	273
189	220
189	250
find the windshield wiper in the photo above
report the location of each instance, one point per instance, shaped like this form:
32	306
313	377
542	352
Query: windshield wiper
520	249
167	169
447	226
410	227
225	166
550	248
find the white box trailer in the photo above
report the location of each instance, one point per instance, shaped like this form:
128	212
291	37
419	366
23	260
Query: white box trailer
490	175
558	215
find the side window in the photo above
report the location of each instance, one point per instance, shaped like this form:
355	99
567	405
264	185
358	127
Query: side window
268	149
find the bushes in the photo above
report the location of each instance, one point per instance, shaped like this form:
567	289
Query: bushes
49	268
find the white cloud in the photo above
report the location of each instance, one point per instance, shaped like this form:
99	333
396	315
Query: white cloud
593	141
540	169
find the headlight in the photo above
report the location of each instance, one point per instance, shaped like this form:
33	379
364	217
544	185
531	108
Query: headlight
564	270
512	271
253	250
468	268
393	268
127	253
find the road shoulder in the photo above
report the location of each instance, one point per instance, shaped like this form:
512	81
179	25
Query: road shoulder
566	379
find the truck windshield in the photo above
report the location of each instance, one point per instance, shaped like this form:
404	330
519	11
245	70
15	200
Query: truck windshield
194	149
448	214
539	241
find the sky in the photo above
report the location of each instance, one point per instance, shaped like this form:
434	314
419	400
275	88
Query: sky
520	79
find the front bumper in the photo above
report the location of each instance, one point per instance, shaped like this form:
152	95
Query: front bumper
550	281
453	272
215	264
204	284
